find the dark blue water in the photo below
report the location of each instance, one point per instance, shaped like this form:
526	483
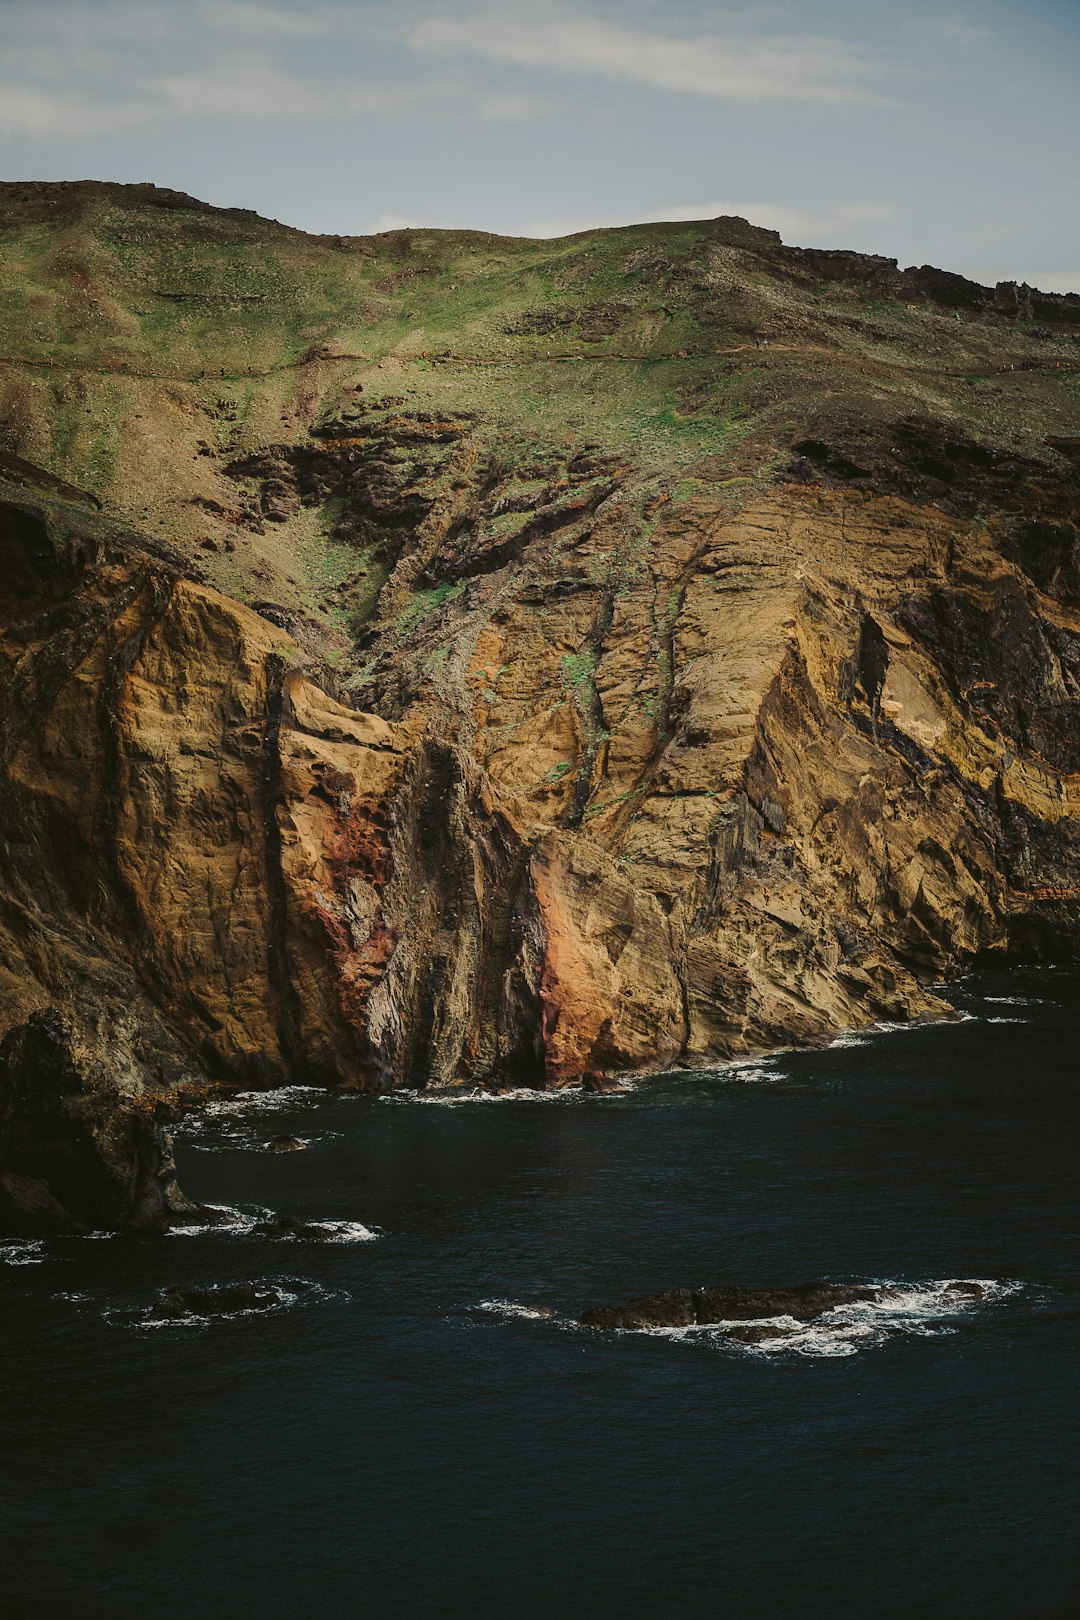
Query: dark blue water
386	1448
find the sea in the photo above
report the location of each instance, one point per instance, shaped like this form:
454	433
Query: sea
418	1428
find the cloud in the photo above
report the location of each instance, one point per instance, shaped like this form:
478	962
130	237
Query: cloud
731	66
249	92
84	68
794	224
257	21
513	109
34	113
252	90
956	28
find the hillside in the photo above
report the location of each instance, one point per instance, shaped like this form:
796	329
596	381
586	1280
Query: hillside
436	659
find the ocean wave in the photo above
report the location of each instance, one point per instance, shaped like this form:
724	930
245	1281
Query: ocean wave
454	1099
865	1035
223	1141
227	1222
331	1232
234	1222
752	1071
23	1252
244	1103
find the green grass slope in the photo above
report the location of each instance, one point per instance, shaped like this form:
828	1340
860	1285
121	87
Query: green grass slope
151	346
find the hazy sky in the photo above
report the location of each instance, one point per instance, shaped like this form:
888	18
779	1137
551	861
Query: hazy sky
934	132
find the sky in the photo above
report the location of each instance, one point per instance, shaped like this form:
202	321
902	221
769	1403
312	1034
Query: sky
944	133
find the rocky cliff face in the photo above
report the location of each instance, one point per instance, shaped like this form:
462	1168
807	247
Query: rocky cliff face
570	763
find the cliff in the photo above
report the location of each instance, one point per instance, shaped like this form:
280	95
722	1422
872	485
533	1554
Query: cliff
492	663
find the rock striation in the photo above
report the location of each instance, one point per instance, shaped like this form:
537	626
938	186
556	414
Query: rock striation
580	765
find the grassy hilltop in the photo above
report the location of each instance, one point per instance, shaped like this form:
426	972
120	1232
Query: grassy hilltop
151	346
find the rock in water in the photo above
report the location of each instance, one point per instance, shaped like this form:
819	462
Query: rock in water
804	1303
675	1308
680	1307
176	1303
285	1226
965	1290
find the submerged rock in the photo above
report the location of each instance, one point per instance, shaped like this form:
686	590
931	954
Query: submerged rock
285	1144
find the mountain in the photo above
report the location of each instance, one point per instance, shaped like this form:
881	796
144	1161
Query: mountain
436	659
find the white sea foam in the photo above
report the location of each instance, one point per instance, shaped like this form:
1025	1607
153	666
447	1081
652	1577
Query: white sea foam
1001	1020
230	1223
243	1103
226	1141
454	1099
855	1037
22	1252
752	1071
242	1223
865	1035
335	1232
1015	1001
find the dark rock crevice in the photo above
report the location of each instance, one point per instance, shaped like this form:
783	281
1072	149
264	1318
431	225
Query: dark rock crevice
291	1051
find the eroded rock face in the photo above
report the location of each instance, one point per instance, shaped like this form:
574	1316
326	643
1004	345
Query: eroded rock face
80	1140
835	765
625	679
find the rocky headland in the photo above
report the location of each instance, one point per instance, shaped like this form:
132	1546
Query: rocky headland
432	660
